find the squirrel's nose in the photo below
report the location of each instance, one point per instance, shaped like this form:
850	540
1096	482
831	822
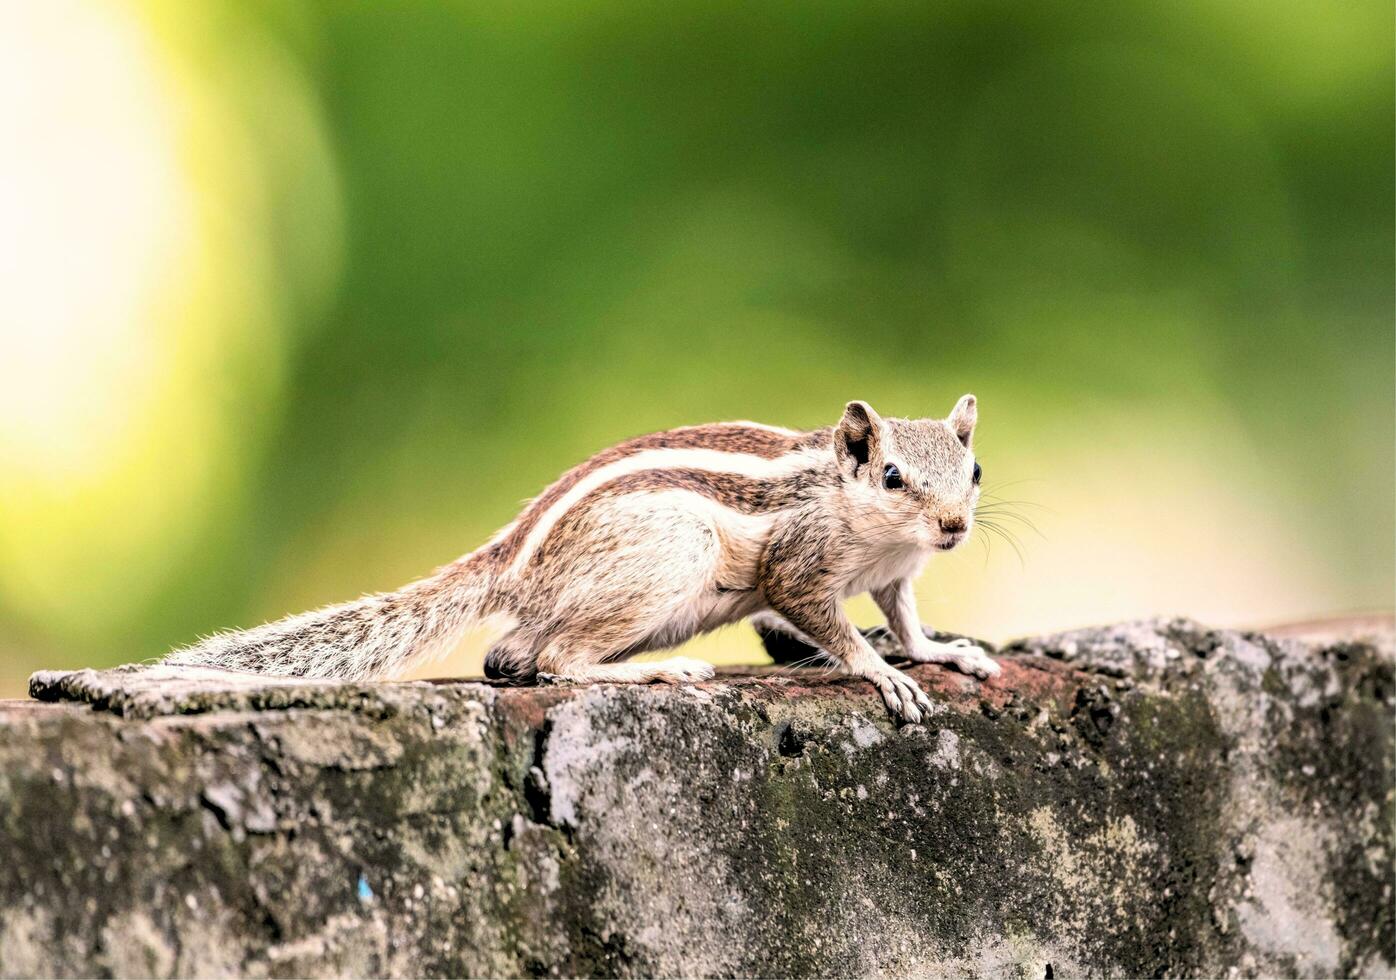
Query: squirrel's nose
952	525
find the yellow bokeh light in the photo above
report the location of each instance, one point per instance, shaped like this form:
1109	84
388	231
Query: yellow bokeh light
139	297
98	215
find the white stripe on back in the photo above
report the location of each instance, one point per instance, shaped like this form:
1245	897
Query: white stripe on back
707	460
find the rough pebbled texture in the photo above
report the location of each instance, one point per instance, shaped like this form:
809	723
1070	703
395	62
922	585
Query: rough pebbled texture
1144	799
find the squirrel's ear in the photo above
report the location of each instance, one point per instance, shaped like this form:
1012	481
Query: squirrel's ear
962	419
857	436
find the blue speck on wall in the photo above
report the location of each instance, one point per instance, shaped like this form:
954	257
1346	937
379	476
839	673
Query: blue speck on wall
365	892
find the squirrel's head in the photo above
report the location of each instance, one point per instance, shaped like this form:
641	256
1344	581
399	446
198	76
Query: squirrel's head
911	481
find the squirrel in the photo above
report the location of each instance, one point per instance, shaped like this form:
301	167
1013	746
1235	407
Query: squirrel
670	535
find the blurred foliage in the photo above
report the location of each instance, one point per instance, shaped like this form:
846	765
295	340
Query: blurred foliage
419	258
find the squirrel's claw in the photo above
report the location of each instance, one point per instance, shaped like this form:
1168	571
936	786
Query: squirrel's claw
902	695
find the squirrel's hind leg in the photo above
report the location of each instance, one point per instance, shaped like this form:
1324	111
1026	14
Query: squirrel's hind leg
514	658
631	573
592	650
642	579
675	670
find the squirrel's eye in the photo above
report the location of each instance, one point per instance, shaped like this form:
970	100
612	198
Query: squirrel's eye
978	473
892	478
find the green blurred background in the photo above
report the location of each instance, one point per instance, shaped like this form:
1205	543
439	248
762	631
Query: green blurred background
299	300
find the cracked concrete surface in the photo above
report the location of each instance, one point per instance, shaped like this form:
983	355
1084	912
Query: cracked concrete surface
1142	799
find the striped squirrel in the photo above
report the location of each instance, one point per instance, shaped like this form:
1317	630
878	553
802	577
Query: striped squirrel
673	534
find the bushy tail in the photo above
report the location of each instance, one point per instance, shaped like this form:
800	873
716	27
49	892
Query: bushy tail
375	636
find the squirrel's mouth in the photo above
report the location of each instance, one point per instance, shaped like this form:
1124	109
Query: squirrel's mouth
951	541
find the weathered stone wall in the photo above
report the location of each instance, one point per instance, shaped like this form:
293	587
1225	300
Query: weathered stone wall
1149	799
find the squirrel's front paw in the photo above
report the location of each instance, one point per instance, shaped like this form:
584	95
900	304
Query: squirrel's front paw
902	695
961	654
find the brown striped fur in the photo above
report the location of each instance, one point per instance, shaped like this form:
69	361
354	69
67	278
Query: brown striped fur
668	535
725	437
